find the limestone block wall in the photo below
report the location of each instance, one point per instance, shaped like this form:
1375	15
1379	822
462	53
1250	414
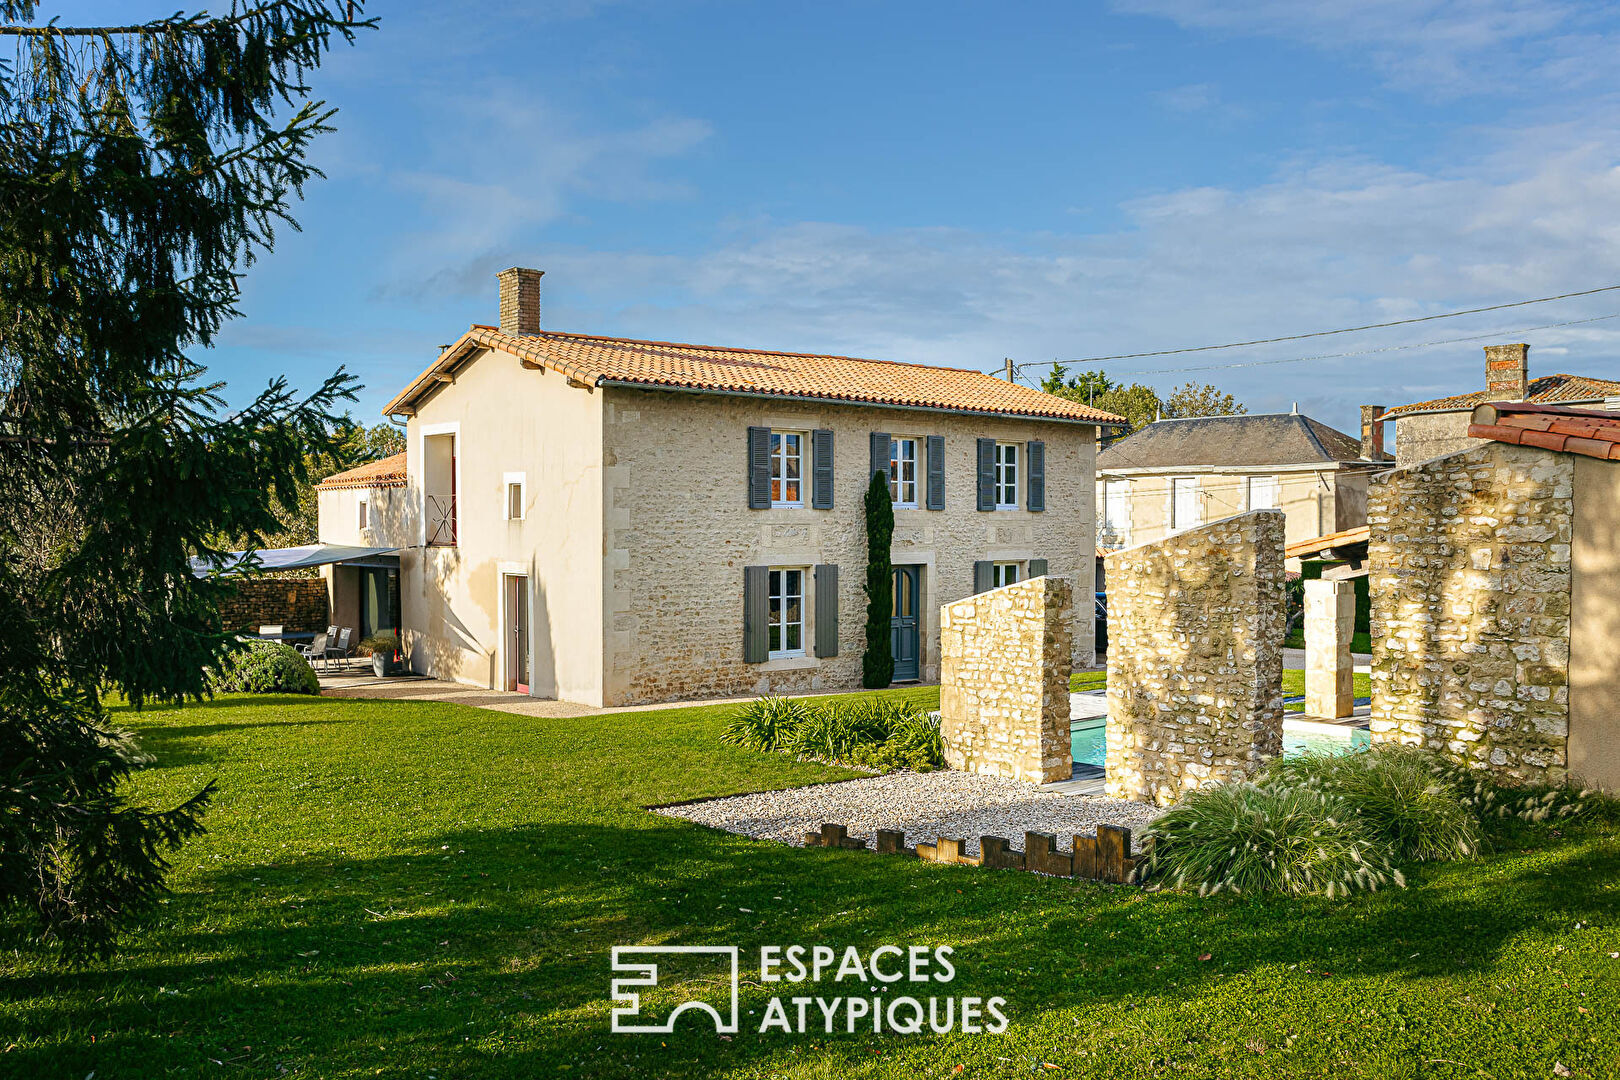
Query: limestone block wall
1195	634
1004	688
1470	575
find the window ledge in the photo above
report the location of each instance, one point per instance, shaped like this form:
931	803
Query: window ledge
790	663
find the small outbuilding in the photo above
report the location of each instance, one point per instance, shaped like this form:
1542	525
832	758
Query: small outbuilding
1495	575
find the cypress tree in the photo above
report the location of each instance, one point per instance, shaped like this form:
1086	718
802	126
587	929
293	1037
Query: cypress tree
143	168
877	663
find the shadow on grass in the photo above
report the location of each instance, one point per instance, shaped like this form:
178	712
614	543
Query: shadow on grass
486	952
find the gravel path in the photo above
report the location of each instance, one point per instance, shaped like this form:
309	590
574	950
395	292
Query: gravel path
924	805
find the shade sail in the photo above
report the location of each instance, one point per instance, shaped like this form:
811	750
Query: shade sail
297	558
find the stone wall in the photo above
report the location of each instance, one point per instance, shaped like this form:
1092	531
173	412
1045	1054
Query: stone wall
1470	573
1004	685
1195	633
1429	435
293	603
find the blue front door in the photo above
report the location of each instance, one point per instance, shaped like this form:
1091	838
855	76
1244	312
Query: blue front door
905	635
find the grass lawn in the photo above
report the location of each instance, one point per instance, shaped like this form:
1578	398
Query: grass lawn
1360	641
427	890
1293	682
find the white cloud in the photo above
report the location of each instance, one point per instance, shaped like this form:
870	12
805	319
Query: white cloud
1447	46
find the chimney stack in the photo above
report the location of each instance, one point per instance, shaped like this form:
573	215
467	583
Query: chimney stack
1507	372
520	300
1372	433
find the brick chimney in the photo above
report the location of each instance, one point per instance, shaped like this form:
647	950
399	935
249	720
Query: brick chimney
1372	433
520	300
1507	372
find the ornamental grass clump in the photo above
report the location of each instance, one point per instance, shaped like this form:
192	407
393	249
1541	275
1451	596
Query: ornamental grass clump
1401	795
1245	837
866	732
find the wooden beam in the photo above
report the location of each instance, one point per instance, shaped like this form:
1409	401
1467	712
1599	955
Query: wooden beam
531	365
1345	572
444	377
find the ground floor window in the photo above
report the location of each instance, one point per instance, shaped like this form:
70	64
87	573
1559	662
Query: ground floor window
786	623
1003	573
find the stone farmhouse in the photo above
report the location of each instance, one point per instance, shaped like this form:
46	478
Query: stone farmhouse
1426	429
611	521
1175	475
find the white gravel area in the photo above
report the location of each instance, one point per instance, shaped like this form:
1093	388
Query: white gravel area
924	805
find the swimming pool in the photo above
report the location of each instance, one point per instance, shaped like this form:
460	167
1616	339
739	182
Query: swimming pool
1088	739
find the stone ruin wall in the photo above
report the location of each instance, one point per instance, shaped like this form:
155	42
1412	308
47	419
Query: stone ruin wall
1195	636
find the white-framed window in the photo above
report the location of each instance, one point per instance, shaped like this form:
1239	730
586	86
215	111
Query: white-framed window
787	468
1117	506
1186	509
515	495
362	513
1263	493
785	628
903	471
1003	573
1006	476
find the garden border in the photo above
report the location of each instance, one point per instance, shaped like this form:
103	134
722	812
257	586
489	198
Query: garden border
1104	857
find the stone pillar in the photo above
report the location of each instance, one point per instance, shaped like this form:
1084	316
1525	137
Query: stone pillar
1005	658
1330	621
1195	634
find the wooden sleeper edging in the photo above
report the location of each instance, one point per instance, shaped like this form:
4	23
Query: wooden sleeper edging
1104	857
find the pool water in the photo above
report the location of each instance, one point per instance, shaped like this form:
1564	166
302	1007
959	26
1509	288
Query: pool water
1088	741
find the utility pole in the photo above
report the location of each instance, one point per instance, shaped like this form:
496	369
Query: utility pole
1008	361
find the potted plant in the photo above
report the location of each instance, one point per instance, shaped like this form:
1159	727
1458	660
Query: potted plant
384	649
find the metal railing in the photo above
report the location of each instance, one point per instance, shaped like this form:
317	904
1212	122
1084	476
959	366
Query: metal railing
441	521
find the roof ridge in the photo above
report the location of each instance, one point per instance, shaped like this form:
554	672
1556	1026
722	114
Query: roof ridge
1310	430
751	352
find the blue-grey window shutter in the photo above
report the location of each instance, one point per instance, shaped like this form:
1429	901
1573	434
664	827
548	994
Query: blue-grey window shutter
1037	568
756	613
759	468
827	610
936	472
821	477
987	474
983	575
1036	486
880	454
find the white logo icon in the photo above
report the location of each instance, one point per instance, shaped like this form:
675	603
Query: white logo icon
647	975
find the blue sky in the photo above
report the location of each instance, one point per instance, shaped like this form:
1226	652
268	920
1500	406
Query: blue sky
955	183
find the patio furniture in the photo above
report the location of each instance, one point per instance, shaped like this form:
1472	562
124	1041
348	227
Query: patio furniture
342	650
271	633
315	651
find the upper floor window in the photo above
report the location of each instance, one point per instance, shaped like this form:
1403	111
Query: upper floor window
439	480
785	626
1186	511
1263	493
362	513
787	468
516	483
1003	573
1006	476
1117	505
903	471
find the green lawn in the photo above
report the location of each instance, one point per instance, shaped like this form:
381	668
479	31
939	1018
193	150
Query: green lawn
423	890
1360	641
1293	682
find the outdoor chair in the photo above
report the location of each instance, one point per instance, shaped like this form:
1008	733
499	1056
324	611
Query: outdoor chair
342	650
315	651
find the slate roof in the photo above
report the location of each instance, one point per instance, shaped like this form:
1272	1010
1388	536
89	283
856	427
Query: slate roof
1589	432
596	361
385	472
1547	390
1231	442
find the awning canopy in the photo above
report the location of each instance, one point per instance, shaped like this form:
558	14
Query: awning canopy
297	558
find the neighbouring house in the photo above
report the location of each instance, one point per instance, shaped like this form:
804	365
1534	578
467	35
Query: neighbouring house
612	521
1175	475
1496	596
1426	429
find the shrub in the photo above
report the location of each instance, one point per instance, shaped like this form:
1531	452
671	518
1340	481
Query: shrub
264	667
867	732
1247	837
385	643
1402	795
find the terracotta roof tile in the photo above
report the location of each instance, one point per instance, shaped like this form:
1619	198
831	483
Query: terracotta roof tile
1547	390
596	361
1588	432
385	472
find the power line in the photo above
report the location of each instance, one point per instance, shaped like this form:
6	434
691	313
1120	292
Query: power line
1368	352
1323	333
